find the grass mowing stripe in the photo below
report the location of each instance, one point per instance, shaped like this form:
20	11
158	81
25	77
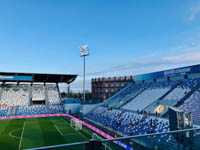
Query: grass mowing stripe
56	126
7	142
4	124
50	134
88	132
22	136
33	136
39	132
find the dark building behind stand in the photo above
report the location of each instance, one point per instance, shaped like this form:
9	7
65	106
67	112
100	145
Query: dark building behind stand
103	88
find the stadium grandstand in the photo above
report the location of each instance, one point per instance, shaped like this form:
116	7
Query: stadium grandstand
31	93
133	82
159	110
142	106
153	93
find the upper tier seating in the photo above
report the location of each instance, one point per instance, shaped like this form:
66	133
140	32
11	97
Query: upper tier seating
53	95
148	96
15	95
181	90
192	104
38	92
128	92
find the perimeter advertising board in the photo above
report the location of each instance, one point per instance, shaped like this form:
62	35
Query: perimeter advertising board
15	78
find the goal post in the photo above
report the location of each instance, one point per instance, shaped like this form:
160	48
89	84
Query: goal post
77	125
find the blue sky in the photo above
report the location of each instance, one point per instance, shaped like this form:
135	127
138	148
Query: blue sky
124	37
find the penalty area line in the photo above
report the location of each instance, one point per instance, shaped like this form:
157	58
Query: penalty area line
75	130
58	130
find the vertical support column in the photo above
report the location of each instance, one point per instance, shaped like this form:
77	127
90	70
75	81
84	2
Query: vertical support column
84	79
68	91
46	94
59	94
1	91
46	97
30	94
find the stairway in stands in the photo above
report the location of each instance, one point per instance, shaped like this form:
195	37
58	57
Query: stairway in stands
46	98
175	86
12	111
112	98
152	106
187	95
130	99
179	103
30	95
1	91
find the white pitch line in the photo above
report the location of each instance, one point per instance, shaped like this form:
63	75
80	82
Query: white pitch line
21	136
58	130
10	134
75	130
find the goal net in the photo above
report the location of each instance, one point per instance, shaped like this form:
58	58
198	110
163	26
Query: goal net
99	138
77	125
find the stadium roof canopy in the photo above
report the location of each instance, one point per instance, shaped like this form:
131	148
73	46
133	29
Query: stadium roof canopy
36	77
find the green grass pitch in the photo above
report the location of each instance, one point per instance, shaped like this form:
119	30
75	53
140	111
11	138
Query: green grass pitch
17	134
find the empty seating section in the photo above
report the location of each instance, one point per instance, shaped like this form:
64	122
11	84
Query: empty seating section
128	123
38	92
181	90
4	111
56	109
127	93
15	96
192	104
19	96
137	124
151	94
53	94
31	110
132	124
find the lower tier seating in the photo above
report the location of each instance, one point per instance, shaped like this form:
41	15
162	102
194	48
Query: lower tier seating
56	109
128	123
4	111
31	110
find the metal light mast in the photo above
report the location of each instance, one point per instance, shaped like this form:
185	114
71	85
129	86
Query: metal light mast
84	52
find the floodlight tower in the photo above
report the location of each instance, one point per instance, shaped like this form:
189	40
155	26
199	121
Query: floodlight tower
84	52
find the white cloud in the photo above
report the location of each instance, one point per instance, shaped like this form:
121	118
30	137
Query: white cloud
194	11
183	56
189	57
